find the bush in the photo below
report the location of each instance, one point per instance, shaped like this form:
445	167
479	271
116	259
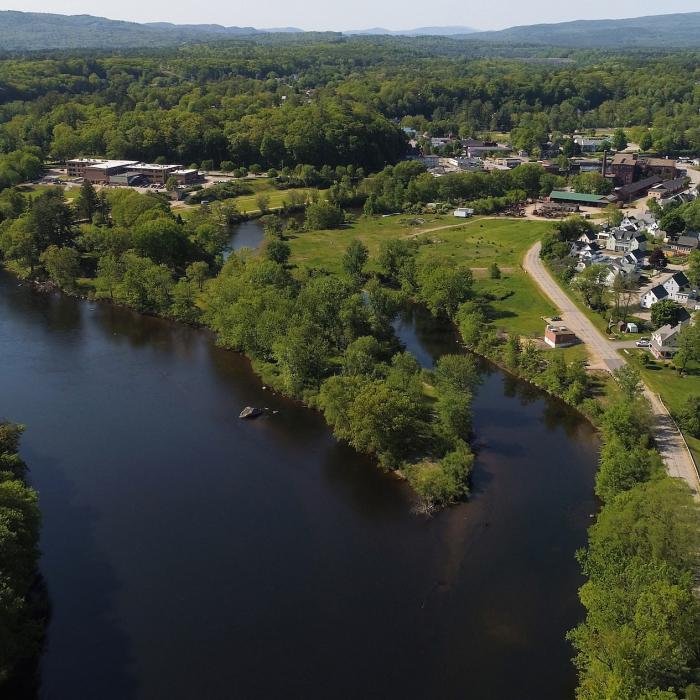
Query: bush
323	215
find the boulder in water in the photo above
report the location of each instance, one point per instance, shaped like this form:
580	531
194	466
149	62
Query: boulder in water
250	412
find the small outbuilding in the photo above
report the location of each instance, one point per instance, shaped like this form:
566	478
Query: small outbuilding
463	212
559	337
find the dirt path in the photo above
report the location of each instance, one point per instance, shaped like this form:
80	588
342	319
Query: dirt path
604	355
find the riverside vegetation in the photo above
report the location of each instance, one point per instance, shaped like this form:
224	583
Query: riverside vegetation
22	602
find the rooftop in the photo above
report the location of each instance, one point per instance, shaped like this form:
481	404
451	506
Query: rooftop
576	197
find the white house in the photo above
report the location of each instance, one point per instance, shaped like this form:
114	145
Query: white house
623	241
615	270
664	341
678	288
463	212
648	299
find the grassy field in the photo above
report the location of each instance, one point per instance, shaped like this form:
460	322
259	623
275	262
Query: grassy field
674	389
477	243
70	193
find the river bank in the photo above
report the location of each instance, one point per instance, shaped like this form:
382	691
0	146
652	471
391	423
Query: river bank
152	433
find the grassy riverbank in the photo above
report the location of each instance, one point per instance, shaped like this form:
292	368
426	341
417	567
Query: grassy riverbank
478	243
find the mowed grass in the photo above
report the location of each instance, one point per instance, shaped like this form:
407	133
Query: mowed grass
477	243
247	203
674	389
70	193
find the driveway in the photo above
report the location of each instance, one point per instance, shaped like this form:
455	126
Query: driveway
604	355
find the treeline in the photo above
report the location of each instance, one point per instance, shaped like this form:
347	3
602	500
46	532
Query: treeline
641	636
22	603
408	187
331	102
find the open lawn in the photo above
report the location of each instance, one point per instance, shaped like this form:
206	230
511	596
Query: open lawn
70	193
674	389
518	304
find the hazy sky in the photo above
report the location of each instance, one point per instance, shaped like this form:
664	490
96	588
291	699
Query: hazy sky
356	14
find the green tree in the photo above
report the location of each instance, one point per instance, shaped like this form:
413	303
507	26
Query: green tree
86	203
665	312
62	265
278	251
689	416
262	201
619	140
355	259
385	422
197	273
323	215
109	275
443	289
693	269
688	347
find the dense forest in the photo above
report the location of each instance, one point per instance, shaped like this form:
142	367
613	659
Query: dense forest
331	102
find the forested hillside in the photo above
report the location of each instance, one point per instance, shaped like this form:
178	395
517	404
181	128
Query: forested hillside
336	102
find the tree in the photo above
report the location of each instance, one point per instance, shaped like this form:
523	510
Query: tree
443	289
262	200
672	222
386	422
688	347
630	382
278	251
171	184
689	416
494	271
397	260
693	269
323	215
87	202
619	140
162	240
658	260
665	312
613	215
355	259
109	274
646	142
198	272
62	265
592	183
591	283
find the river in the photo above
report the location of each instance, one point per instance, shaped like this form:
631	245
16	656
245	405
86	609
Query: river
189	554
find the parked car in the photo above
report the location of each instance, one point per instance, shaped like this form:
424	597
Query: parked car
643	343
555	318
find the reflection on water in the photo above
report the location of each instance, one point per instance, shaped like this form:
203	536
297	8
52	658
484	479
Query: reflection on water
191	554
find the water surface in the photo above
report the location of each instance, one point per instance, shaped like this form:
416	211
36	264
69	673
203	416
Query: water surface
192	555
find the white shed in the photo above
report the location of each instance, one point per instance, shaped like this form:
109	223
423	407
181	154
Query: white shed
464	212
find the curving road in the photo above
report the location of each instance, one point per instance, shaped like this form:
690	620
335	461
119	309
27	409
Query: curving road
604	355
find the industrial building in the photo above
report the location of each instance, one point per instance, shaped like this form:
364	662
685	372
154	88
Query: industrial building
129	172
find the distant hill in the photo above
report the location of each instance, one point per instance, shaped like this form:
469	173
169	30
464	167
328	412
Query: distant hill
420	31
38	30
35	30
659	31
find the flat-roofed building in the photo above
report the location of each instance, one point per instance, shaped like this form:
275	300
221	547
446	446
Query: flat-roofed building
559	337
186	176
76	166
101	171
155	173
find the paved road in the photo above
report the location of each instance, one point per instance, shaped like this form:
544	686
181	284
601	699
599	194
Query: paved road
604	355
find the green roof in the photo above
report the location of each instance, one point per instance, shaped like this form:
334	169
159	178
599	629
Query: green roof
576	197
